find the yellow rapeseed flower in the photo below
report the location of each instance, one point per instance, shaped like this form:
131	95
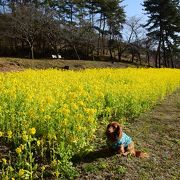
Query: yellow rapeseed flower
79	117
74	106
1	133
42	110
9	133
47	117
81	103
54	162
79	98
73	139
57	173
4	161
21	172
65	122
25	137
38	142
11	168
32	131
22	147
43	168
18	150
65	111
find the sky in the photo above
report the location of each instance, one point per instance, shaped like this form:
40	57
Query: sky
134	8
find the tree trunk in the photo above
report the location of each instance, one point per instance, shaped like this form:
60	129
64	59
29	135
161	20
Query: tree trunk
148	58
120	52
119	55
156	59
103	39
139	57
93	55
74	47
172	63
114	54
99	34
164	53
71	13
92	14
132	58
32	51
158	55
110	51
4	11
170	54
160	41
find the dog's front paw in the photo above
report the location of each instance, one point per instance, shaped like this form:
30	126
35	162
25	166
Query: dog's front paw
125	154
120	153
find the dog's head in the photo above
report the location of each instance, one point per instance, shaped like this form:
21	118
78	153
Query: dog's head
114	130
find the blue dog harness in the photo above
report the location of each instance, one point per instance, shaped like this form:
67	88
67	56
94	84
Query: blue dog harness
125	140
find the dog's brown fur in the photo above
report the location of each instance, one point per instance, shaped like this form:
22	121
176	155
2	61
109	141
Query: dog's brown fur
116	128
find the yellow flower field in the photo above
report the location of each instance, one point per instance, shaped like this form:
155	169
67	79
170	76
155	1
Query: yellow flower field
58	111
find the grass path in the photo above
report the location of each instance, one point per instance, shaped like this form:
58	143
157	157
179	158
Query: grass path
156	132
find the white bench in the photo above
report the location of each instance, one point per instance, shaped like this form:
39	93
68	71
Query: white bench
59	56
56	56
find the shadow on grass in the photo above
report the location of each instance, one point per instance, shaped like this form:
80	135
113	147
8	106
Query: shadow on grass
103	152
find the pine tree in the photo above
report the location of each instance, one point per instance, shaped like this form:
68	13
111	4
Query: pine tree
163	26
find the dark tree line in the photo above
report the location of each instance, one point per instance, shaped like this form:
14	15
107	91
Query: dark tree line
75	27
79	29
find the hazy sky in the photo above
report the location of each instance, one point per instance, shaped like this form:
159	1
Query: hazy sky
134	8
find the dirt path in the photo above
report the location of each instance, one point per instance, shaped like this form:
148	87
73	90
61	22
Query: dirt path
10	66
156	132
17	64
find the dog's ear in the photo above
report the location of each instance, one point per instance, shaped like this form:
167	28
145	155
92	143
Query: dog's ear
119	130
107	133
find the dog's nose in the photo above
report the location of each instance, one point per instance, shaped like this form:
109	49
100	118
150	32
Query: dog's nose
110	130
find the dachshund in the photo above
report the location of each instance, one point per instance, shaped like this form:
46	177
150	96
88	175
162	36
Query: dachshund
120	142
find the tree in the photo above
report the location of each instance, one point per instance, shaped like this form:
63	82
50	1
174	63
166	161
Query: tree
80	39
78	26
27	24
115	21
110	17
163	26
132	37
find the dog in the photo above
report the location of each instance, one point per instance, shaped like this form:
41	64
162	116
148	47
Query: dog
119	142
